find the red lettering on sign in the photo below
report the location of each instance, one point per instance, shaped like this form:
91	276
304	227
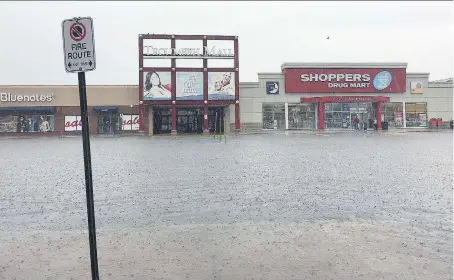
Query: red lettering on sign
131	122
73	124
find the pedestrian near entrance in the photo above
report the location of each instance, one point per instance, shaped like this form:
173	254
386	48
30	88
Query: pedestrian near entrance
356	122
375	124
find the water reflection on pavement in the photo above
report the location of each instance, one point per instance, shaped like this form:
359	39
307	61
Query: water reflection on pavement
344	206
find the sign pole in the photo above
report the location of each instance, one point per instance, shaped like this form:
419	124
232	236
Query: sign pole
79	51
88	176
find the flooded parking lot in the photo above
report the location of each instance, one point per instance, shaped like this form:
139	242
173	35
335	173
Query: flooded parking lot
299	206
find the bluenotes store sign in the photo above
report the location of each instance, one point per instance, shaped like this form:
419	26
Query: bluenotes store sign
330	80
38	97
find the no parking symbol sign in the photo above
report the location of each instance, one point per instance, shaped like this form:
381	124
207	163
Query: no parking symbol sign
78	45
77	31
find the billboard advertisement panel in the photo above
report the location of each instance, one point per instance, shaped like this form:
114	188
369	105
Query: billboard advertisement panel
348	80
221	86
157	86
189	86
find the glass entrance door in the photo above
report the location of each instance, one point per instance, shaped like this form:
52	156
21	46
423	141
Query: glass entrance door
216	120
340	115
162	120
189	120
362	120
108	123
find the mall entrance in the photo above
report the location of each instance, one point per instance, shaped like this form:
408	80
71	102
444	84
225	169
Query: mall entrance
341	115
338	112
189	120
162	120
216	120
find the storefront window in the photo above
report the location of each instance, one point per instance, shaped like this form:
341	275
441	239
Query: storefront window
27	123
36	123
301	116
393	114
416	114
129	122
9	123
73	123
273	115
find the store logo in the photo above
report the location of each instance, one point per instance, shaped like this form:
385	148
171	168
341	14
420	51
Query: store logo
272	87
11	97
382	80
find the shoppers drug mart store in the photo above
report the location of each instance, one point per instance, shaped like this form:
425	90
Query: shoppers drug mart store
330	95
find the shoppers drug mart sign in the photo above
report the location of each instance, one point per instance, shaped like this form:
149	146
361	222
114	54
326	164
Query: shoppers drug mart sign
38	97
327	80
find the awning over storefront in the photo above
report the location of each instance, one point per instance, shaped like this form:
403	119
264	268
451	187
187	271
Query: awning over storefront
105	108
344	99
28	109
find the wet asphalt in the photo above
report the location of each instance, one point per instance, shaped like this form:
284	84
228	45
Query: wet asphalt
148	186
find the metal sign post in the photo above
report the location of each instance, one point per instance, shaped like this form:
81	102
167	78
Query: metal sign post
79	51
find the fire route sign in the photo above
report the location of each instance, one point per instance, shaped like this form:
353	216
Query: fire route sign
79	45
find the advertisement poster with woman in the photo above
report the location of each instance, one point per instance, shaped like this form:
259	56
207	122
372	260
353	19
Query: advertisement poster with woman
189	86
157	86
221	86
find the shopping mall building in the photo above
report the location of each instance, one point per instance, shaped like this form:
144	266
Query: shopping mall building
172	100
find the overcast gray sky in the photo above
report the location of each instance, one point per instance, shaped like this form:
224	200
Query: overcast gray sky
270	33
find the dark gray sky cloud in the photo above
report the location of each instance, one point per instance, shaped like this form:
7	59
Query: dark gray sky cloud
270	33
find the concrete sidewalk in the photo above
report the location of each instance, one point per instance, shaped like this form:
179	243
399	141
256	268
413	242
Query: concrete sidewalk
332	131
271	132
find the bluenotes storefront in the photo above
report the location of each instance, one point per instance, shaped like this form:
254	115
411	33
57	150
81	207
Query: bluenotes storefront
27	119
54	110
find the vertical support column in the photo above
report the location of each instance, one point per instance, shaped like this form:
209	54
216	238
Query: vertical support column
403	114
141	118
286	116
150	121
226	119
237	84
316	116
321	115
173	63
205	90
378	115
141	106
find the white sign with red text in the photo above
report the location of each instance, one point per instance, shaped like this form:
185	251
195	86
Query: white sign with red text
73	123
130	122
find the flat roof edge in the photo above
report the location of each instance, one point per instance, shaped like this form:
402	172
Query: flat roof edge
417	74
269	73
23	86
344	65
